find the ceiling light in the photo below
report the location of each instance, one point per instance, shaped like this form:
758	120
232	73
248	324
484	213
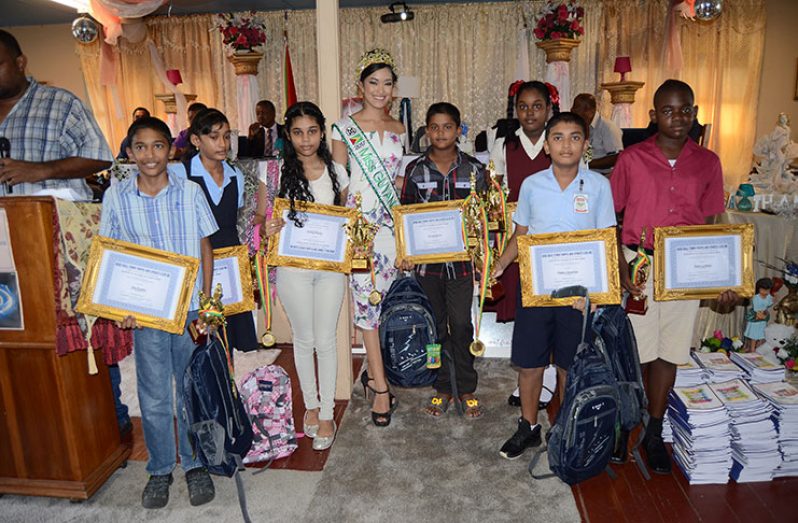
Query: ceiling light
399	13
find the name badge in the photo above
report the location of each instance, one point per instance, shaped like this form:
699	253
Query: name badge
581	204
427	185
462	185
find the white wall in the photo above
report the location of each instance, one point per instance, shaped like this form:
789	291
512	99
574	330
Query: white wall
779	67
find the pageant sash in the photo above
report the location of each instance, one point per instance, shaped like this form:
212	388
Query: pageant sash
364	153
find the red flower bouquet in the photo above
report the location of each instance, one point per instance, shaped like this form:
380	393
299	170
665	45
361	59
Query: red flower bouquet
563	20
242	31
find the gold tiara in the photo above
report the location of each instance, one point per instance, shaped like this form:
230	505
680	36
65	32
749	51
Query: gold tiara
376	56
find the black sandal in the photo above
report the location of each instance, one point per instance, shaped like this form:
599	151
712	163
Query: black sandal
380	419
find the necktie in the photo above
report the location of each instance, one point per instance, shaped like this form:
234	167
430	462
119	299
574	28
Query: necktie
267	150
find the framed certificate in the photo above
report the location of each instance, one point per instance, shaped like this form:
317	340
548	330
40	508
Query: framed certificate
231	268
322	243
430	232
126	279
552	261
701	261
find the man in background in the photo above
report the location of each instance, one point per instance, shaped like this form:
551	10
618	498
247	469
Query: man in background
264	134
605	136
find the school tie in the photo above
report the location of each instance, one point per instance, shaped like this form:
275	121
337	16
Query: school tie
267	150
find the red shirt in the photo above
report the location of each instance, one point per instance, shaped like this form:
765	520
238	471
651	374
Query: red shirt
653	194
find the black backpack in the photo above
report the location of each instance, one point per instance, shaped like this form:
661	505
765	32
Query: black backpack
407	325
581	441
219	429
612	326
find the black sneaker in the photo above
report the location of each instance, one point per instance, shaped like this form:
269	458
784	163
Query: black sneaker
200	486
156	491
525	437
658	459
514	401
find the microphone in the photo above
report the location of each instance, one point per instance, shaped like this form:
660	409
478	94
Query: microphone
5	152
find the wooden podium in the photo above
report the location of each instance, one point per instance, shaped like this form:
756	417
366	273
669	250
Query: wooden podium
58	430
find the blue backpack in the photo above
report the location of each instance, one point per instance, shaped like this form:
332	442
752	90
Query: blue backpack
219	428
581	441
614	331
406	327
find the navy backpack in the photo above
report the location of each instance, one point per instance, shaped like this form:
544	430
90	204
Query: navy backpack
582	439
219	428
407	325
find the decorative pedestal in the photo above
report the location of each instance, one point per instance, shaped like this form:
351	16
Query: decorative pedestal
246	68
170	106
622	96
558	55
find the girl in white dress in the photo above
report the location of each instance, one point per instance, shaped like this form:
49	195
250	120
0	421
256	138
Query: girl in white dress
380	136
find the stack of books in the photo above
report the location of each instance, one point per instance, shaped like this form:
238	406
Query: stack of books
754	442
757	368
690	374
718	366
784	399
701	435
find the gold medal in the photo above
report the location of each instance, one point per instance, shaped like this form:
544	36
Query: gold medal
268	340
375	297
477	348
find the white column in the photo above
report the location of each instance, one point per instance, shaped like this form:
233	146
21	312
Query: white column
327	57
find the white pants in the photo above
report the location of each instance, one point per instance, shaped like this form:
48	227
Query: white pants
312	302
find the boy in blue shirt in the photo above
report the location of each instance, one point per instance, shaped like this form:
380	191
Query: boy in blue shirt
561	198
160	210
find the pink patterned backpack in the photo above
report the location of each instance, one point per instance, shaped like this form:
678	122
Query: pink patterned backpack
266	393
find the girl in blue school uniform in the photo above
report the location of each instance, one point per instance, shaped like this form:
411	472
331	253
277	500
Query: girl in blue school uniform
223	186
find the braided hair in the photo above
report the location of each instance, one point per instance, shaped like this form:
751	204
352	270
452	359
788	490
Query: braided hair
293	183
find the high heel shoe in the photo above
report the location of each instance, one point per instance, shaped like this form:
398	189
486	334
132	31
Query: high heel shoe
364	380
380	419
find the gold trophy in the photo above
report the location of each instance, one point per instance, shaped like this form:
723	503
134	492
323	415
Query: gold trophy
639	271
361	234
211	307
495	200
474	216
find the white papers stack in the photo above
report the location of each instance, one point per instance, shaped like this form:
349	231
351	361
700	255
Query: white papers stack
690	374
784	399
701	437
718	365
667	430
754	443
757	368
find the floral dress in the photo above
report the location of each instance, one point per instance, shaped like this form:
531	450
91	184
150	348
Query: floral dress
390	150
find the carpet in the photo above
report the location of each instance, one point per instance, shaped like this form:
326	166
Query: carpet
447	469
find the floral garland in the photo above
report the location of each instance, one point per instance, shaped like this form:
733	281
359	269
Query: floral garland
563	20
242	31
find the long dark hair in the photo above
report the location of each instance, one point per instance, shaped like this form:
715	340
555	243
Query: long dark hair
543	90
293	183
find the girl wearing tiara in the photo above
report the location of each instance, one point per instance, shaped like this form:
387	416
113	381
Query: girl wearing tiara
357	140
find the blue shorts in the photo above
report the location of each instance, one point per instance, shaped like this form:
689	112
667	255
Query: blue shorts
541	331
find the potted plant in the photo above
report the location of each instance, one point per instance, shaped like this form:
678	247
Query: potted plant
558	28
243	34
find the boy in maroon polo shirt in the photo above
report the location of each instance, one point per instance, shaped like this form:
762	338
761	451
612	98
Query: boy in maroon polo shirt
666	180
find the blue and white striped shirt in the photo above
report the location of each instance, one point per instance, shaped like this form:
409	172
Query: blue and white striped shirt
48	124
174	220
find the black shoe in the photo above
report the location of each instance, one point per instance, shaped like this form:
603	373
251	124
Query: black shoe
156	491
621	452
658	459
525	437
125	428
200	486
514	401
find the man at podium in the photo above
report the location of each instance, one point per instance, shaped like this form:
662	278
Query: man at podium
49	141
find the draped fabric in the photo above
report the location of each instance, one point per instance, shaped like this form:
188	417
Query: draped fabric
465	54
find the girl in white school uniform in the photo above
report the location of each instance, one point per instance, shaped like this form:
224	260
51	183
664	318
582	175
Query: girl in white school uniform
311	298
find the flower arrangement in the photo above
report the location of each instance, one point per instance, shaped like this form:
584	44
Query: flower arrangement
788	353
563	20
720	343
242	31
789	275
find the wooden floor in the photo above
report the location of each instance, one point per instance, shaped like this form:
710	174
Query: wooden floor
667	499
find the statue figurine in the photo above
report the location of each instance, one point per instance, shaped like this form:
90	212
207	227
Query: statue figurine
496	200
361	234
211	308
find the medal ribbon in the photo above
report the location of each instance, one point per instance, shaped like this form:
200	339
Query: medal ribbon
487	262
501	237
262	275
640	262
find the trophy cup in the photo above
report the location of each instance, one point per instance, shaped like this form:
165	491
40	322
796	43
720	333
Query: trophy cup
361	234
211	312
475	225
495	200
639	271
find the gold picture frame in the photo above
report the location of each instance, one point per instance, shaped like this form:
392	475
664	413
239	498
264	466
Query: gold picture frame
119	278
530	297
665	289
276	259
243	297
403	212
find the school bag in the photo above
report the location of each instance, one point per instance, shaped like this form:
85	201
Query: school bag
581	441
614	330
407	326
219	429
266	392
